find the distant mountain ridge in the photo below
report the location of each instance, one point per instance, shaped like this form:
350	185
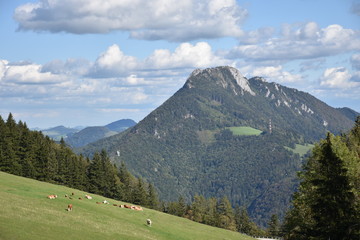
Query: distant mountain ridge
76	137
189	145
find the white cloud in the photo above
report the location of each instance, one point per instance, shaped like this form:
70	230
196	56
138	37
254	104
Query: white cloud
277	74
27	73
158	19
304	42
199	55
338	77
113	62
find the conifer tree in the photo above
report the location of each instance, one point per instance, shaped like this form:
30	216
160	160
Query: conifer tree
325	205
226	214
152	197
273	226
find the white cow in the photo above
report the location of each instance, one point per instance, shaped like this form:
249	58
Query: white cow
148	222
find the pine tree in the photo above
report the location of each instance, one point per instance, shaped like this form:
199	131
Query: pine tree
152	197
325	205
226	214
243	222
274	226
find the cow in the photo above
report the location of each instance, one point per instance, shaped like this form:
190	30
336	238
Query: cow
127	206
137	208
52	196
80	198
98	202
122	206
70	207
115	205
105	202
148	222
88	197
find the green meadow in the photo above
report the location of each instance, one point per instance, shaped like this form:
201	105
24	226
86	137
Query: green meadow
27	213
247	131
301	149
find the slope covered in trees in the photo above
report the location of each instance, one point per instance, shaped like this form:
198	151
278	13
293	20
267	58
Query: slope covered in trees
327	204
187	146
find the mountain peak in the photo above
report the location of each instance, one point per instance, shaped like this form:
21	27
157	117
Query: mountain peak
223	76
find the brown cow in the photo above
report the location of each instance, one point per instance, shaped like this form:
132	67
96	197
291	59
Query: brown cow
98	202
137	208
52	196
127	206
70	207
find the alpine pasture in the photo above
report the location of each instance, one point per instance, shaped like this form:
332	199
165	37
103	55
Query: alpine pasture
27	213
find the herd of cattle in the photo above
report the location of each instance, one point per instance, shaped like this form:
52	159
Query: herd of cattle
70	206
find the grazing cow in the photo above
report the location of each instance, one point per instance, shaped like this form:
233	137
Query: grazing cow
73	194
137	208
115	205
127	206
80	198
88	197
70	207
148	222
52	196
105	202
98	202
122	206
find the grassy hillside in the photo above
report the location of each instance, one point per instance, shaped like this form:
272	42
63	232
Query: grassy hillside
247	131
26	213
301	149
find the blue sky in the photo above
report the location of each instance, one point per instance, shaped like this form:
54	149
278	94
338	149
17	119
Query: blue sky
92	62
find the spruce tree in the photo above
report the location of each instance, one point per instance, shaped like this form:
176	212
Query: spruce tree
226	214
325	206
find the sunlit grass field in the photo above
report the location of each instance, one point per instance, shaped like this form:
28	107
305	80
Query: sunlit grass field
27	213
247	131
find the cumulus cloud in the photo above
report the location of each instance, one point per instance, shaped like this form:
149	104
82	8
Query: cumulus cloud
159	19
276	73
338	77
27	73
199	55
113	62
304	42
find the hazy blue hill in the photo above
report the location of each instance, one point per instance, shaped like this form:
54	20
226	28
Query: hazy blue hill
349	113
88	135
187	146
121	125
59	132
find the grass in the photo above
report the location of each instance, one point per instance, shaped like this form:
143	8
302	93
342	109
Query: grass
244	131
301	149
26	213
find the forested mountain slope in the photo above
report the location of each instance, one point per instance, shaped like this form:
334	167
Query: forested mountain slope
194	143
